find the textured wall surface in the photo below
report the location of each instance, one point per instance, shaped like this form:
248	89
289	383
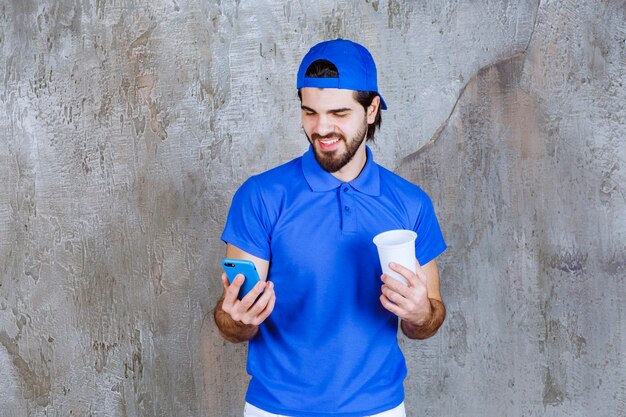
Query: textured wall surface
125	127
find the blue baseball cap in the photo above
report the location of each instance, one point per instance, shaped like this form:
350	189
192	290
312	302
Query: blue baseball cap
355	65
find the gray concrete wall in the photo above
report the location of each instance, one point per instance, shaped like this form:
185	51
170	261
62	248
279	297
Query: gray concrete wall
125	127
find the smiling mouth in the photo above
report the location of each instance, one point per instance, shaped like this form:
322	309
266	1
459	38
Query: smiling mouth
329	144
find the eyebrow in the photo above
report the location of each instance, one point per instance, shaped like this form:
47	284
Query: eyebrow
339	110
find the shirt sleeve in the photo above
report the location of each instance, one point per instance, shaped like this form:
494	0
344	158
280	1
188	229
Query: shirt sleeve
429	243
248	226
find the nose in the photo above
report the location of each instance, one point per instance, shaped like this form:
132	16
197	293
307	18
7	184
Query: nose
324	125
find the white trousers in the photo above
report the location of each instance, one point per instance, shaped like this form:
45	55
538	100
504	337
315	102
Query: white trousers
252	411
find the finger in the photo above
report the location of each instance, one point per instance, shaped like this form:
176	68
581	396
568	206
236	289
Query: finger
272	303
409	275
268	305
232	291
249	299
390	306
392	295
253	315
395	285
419	271
260	302
225	282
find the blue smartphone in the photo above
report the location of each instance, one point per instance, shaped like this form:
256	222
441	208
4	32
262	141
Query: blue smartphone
233	267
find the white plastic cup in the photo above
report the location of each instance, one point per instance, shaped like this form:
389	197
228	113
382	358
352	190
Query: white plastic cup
396	246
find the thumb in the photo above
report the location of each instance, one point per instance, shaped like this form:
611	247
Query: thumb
420	273
225	282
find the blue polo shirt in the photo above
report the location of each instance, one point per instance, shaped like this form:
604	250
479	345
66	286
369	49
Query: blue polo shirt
329	347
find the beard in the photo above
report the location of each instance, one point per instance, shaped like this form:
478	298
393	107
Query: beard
333	161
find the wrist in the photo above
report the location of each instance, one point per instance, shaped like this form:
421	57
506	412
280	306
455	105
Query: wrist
234	331
428	325
238	331
424	319
412	326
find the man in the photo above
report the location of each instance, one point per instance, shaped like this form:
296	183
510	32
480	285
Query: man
321	326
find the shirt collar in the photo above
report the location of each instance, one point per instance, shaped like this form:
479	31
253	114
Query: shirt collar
320	180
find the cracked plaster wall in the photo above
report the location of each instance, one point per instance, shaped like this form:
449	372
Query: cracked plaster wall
126	126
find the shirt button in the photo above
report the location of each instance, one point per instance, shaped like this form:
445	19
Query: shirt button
346	189
346	208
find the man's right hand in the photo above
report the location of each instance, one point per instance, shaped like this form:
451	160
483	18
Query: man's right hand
239	320
246	311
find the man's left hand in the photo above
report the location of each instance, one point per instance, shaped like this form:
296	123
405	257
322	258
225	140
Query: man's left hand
410	303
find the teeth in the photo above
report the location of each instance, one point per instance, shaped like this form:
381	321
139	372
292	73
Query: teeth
329	142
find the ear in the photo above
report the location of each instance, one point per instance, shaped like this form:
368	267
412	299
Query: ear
372	110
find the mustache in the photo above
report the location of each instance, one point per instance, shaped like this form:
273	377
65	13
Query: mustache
316	136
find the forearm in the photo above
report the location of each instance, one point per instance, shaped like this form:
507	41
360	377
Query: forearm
232	330
430	326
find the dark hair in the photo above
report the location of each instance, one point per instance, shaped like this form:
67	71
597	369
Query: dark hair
326	69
